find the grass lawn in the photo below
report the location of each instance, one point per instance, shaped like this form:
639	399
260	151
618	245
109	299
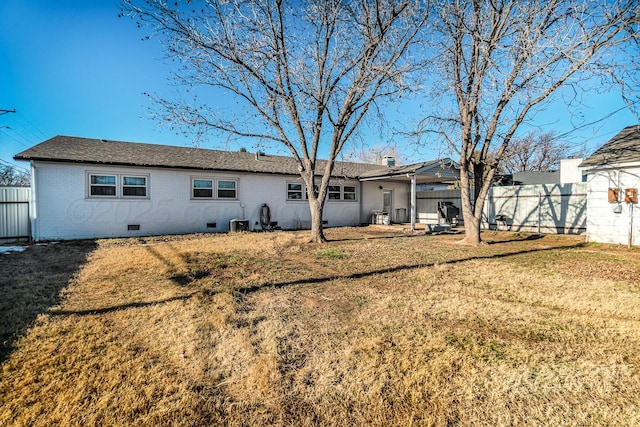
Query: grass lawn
377	327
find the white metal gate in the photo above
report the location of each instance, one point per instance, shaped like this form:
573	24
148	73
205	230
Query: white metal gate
14	213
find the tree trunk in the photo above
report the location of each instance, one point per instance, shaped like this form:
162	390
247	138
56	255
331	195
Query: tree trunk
471	221
317	232
478	180
472	231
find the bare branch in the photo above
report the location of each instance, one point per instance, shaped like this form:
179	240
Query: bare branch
502	60
305	73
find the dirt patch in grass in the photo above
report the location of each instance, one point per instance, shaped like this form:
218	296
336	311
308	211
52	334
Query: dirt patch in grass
32	281
377	327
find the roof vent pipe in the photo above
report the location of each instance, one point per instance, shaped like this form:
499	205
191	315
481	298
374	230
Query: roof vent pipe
389	161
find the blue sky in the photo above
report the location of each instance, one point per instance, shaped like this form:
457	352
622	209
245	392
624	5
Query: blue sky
72	67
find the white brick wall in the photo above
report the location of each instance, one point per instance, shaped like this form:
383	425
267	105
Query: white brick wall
603	223
65	212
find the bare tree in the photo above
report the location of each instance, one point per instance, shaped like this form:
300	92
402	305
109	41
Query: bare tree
306	73
535	151
501	61
12	177
374	154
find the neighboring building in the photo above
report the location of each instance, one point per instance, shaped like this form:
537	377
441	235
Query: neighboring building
92	188
526	178
570	171
613	176
542	202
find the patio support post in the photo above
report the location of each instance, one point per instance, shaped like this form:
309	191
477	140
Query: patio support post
413	202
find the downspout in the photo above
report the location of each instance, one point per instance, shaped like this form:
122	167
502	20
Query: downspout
414	205
630	231
34	229
360	203
630	225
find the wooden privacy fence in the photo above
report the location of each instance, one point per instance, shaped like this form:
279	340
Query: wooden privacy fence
544	208
14	213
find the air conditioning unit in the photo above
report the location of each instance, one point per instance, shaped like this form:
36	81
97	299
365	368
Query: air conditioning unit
236	225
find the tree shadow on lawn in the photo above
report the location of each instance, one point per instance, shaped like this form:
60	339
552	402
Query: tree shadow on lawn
31	283
374	237
304	281
516	238
360	275
456	233
116	308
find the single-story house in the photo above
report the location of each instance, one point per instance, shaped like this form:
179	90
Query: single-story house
94	188
613	176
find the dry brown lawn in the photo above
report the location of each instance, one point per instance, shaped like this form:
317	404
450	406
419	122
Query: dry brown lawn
378	327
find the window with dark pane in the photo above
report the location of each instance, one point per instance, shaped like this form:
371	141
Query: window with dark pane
102	185
202	188
227	190
294	191
334	192
349	192
134	186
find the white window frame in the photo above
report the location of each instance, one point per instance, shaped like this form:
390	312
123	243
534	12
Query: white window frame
193	188
354	192
215	188
290	191
334	195
91	185
123	178
334	192
219	189
119	185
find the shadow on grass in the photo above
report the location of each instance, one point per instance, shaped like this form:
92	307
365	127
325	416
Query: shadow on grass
421	233
516	238
122	307
360	275
393	236
304	281
31	283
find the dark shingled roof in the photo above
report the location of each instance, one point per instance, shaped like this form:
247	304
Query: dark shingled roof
535	177
69	149
441	168
622	148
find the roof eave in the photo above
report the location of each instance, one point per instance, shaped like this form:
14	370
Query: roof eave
155	166
609	166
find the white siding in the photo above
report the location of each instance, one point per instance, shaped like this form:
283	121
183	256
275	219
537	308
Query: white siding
65	212
603	224
570	171
372	198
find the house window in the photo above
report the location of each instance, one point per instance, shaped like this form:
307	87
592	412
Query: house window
334	192
349	192
102	185
202	189
117	185
297	191
207	188
227	190
294	191
134	186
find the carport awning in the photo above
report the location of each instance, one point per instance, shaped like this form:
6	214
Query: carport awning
442	171
434	171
